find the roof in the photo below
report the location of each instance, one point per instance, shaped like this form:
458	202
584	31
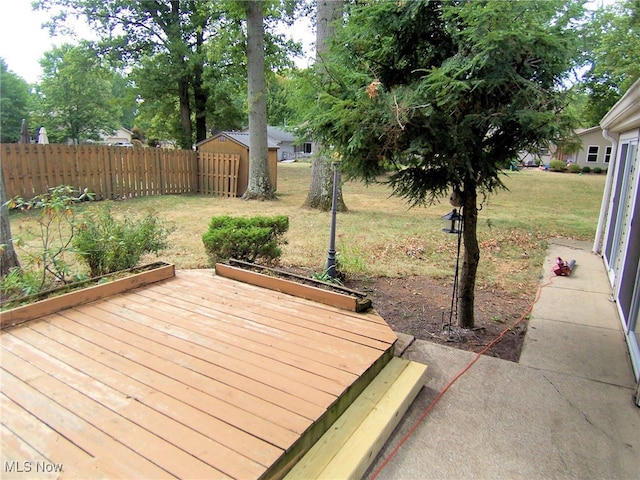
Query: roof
277	135
585	131
241	138
624	115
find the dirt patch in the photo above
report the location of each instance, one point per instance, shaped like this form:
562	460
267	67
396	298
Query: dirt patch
420	306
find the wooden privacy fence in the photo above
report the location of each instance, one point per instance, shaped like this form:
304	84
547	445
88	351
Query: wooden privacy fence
218	174
116	172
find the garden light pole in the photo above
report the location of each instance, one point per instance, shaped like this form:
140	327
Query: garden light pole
331	258
453	224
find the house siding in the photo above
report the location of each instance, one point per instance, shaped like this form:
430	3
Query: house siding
620	211
596	151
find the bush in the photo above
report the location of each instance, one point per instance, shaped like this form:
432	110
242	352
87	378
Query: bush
573	168
556	166
107	245
46	266
597	170
248	239
586	169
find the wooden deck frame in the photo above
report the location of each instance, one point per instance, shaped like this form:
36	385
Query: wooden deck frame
156	353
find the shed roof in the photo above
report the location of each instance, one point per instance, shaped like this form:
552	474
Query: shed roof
241	138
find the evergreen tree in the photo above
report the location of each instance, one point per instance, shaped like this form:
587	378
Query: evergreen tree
445	94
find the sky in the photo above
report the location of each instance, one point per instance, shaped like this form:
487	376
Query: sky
23	41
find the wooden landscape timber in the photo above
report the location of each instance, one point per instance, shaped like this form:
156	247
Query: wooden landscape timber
326	293
147	274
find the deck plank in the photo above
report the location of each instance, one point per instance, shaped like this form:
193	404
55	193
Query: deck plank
77	429
196	376
214	454
231	441
329	350
278	308
306	372
159	373
301	358
370	324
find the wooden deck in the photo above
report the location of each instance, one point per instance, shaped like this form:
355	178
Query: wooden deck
197	376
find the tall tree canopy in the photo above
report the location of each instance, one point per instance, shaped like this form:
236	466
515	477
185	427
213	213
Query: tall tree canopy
172	31
613	55
14	103
446	93
172	42
76	98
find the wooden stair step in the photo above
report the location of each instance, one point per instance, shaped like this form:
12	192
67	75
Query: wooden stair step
347	449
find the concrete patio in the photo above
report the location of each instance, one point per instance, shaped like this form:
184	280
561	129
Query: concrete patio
566	410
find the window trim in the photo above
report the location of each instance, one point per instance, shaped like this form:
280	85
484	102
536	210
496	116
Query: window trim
591	155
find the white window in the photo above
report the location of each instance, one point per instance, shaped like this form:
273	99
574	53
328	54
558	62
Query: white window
592	153
607	154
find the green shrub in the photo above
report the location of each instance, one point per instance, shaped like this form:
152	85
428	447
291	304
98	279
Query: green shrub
597	170
107	245
46	266
573	168
586	169
249	239
556	166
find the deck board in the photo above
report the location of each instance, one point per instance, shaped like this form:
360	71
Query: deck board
197	376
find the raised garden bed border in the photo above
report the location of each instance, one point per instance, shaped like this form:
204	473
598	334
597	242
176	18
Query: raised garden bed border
147	274
299	286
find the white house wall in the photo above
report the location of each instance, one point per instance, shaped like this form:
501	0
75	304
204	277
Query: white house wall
596	151
621	250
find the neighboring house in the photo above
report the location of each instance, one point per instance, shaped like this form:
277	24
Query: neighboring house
122	135
289	147
529	159
238	143
618	233
596	150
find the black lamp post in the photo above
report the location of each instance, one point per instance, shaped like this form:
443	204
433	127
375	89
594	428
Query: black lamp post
453	224
331	256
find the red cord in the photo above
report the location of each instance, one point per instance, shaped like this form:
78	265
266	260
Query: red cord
452	381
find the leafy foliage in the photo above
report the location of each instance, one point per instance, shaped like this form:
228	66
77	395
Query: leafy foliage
57	222
106	244
14	104
76	100
249	239
557	166
448	93
445	91
613	49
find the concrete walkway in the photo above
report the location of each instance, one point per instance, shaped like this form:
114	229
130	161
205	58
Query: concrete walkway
566	410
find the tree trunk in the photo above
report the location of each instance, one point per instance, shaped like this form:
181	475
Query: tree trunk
8	257
259	187
321	185
186	137
471	257
320	194
199	92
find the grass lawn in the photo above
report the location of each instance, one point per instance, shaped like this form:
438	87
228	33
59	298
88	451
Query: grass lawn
382	236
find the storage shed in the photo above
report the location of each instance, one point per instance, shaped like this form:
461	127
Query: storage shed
238	143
